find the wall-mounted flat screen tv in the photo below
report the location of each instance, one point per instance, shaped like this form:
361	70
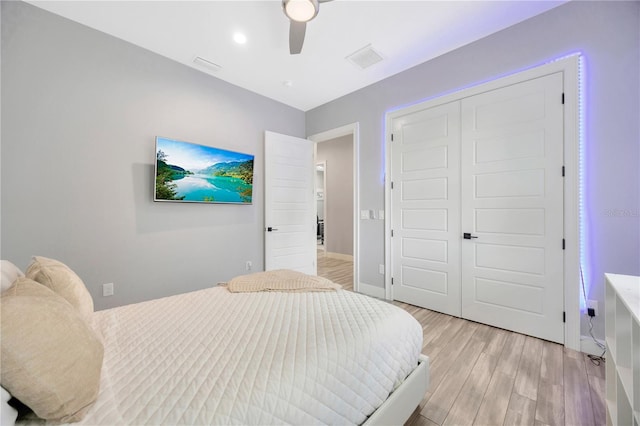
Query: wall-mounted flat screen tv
192	173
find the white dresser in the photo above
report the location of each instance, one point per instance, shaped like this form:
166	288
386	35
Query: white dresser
622	322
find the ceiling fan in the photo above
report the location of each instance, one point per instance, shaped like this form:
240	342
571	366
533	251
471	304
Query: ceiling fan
299	13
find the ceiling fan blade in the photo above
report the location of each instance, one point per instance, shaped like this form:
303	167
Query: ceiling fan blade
296	36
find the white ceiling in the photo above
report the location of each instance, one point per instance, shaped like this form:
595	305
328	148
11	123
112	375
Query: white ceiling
406	33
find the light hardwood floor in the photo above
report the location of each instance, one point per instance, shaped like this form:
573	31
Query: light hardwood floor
483	375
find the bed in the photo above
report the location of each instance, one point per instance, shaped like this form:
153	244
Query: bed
217	357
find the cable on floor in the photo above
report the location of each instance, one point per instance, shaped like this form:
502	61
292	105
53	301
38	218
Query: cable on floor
595	359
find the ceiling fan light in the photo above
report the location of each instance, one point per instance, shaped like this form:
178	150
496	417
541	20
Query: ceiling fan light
300	10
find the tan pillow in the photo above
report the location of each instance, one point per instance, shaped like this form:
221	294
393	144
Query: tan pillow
51	359
10	273
62	280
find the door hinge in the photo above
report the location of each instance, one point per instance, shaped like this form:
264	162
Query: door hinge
392	232
562	98
391	137
391	184
391	280
563	244
564	316
563	171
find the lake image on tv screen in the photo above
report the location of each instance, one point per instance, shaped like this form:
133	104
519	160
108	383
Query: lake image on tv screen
189	172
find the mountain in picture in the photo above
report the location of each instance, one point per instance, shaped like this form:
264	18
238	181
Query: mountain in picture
242	170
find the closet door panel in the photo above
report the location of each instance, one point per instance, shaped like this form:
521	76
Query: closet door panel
426	208
512	207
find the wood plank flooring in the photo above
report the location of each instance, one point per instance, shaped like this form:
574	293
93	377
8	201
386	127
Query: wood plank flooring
482	375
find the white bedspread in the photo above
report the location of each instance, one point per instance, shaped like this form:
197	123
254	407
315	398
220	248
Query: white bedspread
213	357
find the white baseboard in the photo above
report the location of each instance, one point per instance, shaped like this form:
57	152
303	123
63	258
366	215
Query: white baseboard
340	256
371	290
588	346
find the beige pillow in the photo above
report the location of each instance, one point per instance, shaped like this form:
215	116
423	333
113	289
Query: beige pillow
51	359
62	280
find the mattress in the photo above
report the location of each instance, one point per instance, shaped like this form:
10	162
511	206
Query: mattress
215	357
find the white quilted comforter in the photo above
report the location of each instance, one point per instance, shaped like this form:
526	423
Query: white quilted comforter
213	357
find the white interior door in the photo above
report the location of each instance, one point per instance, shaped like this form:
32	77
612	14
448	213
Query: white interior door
289	214
512	200
425	210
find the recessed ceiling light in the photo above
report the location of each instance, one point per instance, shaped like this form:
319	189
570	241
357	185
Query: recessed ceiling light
287	83
240	38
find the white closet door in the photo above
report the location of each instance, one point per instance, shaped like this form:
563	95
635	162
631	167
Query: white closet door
512	205
426	208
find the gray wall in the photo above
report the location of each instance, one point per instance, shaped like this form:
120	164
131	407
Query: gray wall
80	112
338	153
608	33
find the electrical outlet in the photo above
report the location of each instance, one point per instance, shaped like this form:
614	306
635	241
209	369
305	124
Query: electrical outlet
107	289
249	265
593	304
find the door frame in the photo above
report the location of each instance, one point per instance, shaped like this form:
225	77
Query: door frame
352	129
324	190
569	66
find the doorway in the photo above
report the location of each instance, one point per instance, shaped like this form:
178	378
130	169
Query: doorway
337	151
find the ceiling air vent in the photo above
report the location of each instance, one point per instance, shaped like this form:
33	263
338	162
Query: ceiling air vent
365	57
207	64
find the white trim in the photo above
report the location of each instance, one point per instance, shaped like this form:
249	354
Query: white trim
323	246
339	256
371	290
388	288
569	67
354	130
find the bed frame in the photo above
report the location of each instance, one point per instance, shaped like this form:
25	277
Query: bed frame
403	401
